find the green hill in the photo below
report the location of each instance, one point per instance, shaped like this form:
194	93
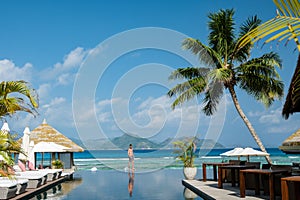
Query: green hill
137	142
123	142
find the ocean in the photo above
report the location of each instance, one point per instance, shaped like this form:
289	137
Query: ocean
151	160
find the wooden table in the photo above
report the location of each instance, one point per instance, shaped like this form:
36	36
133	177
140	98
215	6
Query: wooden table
215	165
285	189
232	168
269	172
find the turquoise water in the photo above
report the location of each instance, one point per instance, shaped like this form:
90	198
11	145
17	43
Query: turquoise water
158	175
151	160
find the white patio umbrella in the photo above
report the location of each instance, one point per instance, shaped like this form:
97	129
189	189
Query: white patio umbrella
234	152
252	152
25	144
31	158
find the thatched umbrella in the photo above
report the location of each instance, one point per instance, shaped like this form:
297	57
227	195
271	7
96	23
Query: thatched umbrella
292	143
46	133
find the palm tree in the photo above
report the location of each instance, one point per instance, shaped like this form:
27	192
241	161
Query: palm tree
11	99
285	26
8	145
228	67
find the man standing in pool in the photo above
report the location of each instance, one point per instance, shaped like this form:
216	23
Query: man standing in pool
131	158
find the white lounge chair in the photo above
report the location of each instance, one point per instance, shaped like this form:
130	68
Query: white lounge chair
8	189
21	183
35	178
52	173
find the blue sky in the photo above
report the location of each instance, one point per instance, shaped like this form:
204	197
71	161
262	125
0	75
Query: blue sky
61	48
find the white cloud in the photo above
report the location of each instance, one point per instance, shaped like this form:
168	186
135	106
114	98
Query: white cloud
104	117
73	59
58	112
43	91
55	102
65	79
10	71
271	117
64	72
148	117
273	122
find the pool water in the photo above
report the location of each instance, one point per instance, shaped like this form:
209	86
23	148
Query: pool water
115	185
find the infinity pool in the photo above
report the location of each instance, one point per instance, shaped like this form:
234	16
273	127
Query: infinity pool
115	185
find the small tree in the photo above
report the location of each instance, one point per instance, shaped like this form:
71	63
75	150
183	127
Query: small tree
185	151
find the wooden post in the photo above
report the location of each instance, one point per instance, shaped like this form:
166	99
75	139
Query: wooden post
204	171
284	190
215	172
220	185
271	186
242	185
257	184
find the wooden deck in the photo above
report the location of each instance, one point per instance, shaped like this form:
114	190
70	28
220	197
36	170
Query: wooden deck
29	193
209	191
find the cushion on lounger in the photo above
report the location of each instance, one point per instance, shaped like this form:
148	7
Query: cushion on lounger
22	166
30	166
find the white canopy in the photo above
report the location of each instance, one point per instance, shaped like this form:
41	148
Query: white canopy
48	147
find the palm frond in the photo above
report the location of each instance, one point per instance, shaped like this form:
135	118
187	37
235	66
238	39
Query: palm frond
212	97
221	36
206	55
286	25
220	75
188	73
11	100
259	78
187	90
242	54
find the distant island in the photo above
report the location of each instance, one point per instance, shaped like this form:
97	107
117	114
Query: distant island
123	141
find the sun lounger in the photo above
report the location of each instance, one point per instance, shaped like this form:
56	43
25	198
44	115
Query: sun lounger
35	178
21	183
52	174
8	189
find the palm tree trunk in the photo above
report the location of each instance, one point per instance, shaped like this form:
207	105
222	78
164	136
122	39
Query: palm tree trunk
247	122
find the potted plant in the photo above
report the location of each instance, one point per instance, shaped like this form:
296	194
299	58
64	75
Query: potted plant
57	164
185	151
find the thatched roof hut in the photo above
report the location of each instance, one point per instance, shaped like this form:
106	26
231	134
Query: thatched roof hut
46	133
292	143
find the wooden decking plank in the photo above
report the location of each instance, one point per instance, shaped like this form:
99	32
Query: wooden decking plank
209	191
29	193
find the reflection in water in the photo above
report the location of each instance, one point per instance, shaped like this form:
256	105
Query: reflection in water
188	194
59	191
130	183
68	186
